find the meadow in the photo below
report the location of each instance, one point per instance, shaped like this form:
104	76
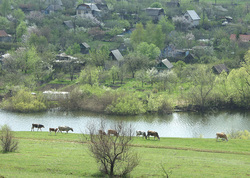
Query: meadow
66	155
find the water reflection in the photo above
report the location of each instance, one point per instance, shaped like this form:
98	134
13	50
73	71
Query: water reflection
178	124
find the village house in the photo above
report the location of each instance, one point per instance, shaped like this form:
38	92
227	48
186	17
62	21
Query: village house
53	8
164	64
116	55
4	37
155	13
240	38
69	24
192	17
220	68
84	48
88	8
173	3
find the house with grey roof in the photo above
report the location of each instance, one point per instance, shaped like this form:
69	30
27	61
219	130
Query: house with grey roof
87	8
69	24
164	64
220	68
192	17
155	13
53	8
116	55
84	48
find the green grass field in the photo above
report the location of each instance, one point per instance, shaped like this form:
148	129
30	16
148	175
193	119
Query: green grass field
63	155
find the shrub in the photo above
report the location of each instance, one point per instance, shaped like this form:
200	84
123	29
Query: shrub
245	135
7	142
126	105
24	101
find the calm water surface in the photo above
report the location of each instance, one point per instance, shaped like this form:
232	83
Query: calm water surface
178	124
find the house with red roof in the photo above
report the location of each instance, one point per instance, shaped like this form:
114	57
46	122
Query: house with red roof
4	37
240	38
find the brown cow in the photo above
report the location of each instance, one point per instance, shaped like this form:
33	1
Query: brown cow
113	132
221	135
153	133
53	130
101	132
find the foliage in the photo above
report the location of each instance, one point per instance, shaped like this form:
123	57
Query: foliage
73	49
245	135
8	143
160	104
90	75
24	101
21	30
203	83
149	50
99	56
137	35
156	5
5	8
126	105
136	61
166	25
113	153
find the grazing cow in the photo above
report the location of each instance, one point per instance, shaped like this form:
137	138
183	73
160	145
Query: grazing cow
101	132
113	132
138	133
53	130
153	133
64	128
221	135
38	126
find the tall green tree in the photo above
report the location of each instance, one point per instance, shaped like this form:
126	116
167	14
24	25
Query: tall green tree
166	25
5	8
135	62
99	56
203	82
149	50
137	35
90	75
21	30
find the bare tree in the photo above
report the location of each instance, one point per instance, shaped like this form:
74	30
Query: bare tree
113	153
7	142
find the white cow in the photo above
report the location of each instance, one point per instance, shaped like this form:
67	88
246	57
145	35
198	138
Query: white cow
64	128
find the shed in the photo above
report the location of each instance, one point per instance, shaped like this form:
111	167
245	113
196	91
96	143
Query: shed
84	48
116	55
192	17
55	95
164	64
69	24
53	8
219	68
155	13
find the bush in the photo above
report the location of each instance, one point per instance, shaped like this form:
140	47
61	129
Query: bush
24	101
126	105
245	135
7	142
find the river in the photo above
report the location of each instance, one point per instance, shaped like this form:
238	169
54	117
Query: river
178	124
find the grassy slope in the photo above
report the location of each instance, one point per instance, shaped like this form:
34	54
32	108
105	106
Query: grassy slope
62	155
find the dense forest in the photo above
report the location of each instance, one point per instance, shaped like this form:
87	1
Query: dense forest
125	57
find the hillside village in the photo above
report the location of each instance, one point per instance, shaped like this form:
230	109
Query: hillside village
188	55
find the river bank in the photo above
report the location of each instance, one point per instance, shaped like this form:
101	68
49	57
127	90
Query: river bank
64	155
